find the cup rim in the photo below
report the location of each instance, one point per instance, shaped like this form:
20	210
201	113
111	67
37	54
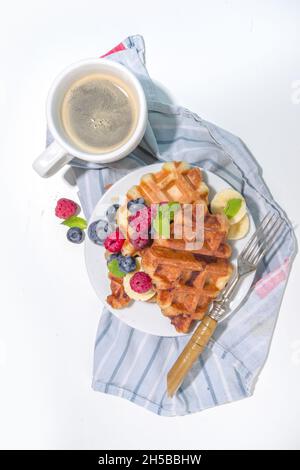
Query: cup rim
135	138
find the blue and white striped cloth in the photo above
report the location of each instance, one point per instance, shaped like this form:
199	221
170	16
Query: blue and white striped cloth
132	364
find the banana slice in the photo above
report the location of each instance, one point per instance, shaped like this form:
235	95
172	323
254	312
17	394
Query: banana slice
135	295
240	229
219	203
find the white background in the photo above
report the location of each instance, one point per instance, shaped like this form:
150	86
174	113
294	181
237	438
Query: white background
234	63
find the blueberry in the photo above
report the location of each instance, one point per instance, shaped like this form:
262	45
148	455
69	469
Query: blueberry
127	264
99	230
136	205
92	233
113	256
75	235
112	212
103	229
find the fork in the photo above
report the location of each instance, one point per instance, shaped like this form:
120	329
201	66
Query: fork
248	261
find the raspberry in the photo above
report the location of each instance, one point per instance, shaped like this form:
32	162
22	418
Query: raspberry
139	225
114	241
141	220
139	242
65	208
140	282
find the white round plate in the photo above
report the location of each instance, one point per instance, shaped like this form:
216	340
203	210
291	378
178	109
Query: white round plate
146	316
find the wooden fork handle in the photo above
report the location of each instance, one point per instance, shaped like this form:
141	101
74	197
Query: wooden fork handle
191	352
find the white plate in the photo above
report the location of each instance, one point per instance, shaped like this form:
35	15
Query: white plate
146	316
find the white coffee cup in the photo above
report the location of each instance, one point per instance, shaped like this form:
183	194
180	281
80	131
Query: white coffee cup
62	149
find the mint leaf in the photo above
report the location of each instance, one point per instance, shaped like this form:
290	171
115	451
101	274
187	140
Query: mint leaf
113	267
173	207
232	207
75	221
164	216
161	224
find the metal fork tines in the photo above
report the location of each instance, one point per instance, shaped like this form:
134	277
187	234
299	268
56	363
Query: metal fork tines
261	240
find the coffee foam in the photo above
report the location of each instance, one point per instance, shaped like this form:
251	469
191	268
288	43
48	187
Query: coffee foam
99	113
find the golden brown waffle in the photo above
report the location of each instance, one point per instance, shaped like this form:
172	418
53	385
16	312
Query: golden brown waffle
176	181
118	297
182	323
214	243
185	282
128	249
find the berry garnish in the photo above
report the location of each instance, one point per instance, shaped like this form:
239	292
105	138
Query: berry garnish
113	256
140	221
127	264
111	212
75	235
99	230
65	208
140	282
139	243
103	229
135	204
92	232
114	241
113	267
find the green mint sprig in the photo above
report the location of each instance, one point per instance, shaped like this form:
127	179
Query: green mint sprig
75	221
232	207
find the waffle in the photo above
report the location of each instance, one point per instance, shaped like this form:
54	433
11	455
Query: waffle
176	181
118	297
214	242
128	249
185	282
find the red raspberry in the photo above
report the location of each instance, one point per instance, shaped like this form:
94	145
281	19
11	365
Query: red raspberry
114	241
140	224
141	220
140	242
140	282
65	208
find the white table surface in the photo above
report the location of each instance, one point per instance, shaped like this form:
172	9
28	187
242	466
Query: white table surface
234	63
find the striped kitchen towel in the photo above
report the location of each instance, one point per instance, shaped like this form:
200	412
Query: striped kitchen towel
132	364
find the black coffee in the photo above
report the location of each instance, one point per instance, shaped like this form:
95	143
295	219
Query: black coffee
98	113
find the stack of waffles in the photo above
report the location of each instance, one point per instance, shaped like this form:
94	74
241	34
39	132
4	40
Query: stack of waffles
177	181
185	282
186	277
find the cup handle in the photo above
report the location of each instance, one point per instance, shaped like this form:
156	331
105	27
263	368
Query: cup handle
51	160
